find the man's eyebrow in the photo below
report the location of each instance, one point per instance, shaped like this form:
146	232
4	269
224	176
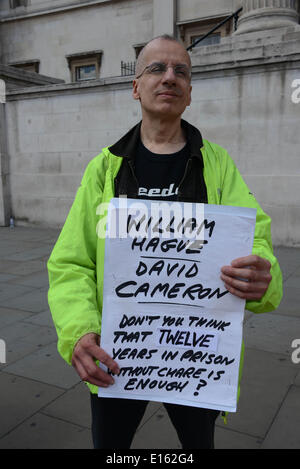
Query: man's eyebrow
183	64
155	63
164	63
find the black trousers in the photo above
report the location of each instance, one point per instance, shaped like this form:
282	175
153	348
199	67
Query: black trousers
115	421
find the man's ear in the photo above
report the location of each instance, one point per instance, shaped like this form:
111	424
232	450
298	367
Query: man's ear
135	92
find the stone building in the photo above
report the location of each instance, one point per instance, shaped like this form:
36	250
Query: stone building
67	66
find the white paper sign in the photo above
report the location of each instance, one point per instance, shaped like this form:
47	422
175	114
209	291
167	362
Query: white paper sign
168	320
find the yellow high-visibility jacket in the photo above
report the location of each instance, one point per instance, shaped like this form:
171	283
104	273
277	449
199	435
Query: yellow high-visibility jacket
76	263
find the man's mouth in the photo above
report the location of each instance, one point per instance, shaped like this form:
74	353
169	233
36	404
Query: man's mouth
167	93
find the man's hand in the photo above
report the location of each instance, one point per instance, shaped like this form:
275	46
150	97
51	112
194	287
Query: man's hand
85	353
247	277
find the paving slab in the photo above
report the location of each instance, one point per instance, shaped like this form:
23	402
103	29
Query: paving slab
265	383
228	439
9	291
36	280
28	233
293	279
21	268
30	333
44	432
7	277
282	434
18	350
45	365
15	246
290	305
9	316
10	249
156	433
34	300
151	409
159	433
271	332
41	319
31	254
20	398
287	259
73	406
23	338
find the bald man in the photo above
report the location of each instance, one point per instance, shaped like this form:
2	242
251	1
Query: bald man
161	158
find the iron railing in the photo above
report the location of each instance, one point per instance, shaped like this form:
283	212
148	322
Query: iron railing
127	68
234	15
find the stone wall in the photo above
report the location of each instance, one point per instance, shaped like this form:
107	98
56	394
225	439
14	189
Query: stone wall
112	26
193	9
52	135
241	100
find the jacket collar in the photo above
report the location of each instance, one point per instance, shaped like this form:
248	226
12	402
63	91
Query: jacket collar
125	147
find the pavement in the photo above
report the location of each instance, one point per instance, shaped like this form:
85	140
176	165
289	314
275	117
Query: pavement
43	403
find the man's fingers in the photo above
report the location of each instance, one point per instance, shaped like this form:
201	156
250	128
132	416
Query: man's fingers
247	277
92	379
90	372
242	294
86	352
89	345
94	370
105	359
244	274
242	285
251	261
84	375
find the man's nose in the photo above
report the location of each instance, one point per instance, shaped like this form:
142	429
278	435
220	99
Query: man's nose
169	75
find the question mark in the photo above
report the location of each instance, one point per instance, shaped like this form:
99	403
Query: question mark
202	384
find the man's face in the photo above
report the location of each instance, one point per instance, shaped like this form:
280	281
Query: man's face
163	93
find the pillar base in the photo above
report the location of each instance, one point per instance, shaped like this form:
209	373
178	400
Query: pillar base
263	19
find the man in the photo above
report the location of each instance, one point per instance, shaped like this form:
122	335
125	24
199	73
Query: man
163	157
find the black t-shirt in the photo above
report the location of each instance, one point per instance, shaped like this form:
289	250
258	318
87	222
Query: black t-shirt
159	175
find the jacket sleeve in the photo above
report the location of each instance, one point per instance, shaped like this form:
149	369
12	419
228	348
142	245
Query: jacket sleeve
235	192
72	294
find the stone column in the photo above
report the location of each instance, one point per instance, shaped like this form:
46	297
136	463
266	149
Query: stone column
260	15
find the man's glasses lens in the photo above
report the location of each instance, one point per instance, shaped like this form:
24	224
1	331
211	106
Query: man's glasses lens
158	68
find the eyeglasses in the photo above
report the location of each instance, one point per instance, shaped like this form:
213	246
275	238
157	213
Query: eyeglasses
158	68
